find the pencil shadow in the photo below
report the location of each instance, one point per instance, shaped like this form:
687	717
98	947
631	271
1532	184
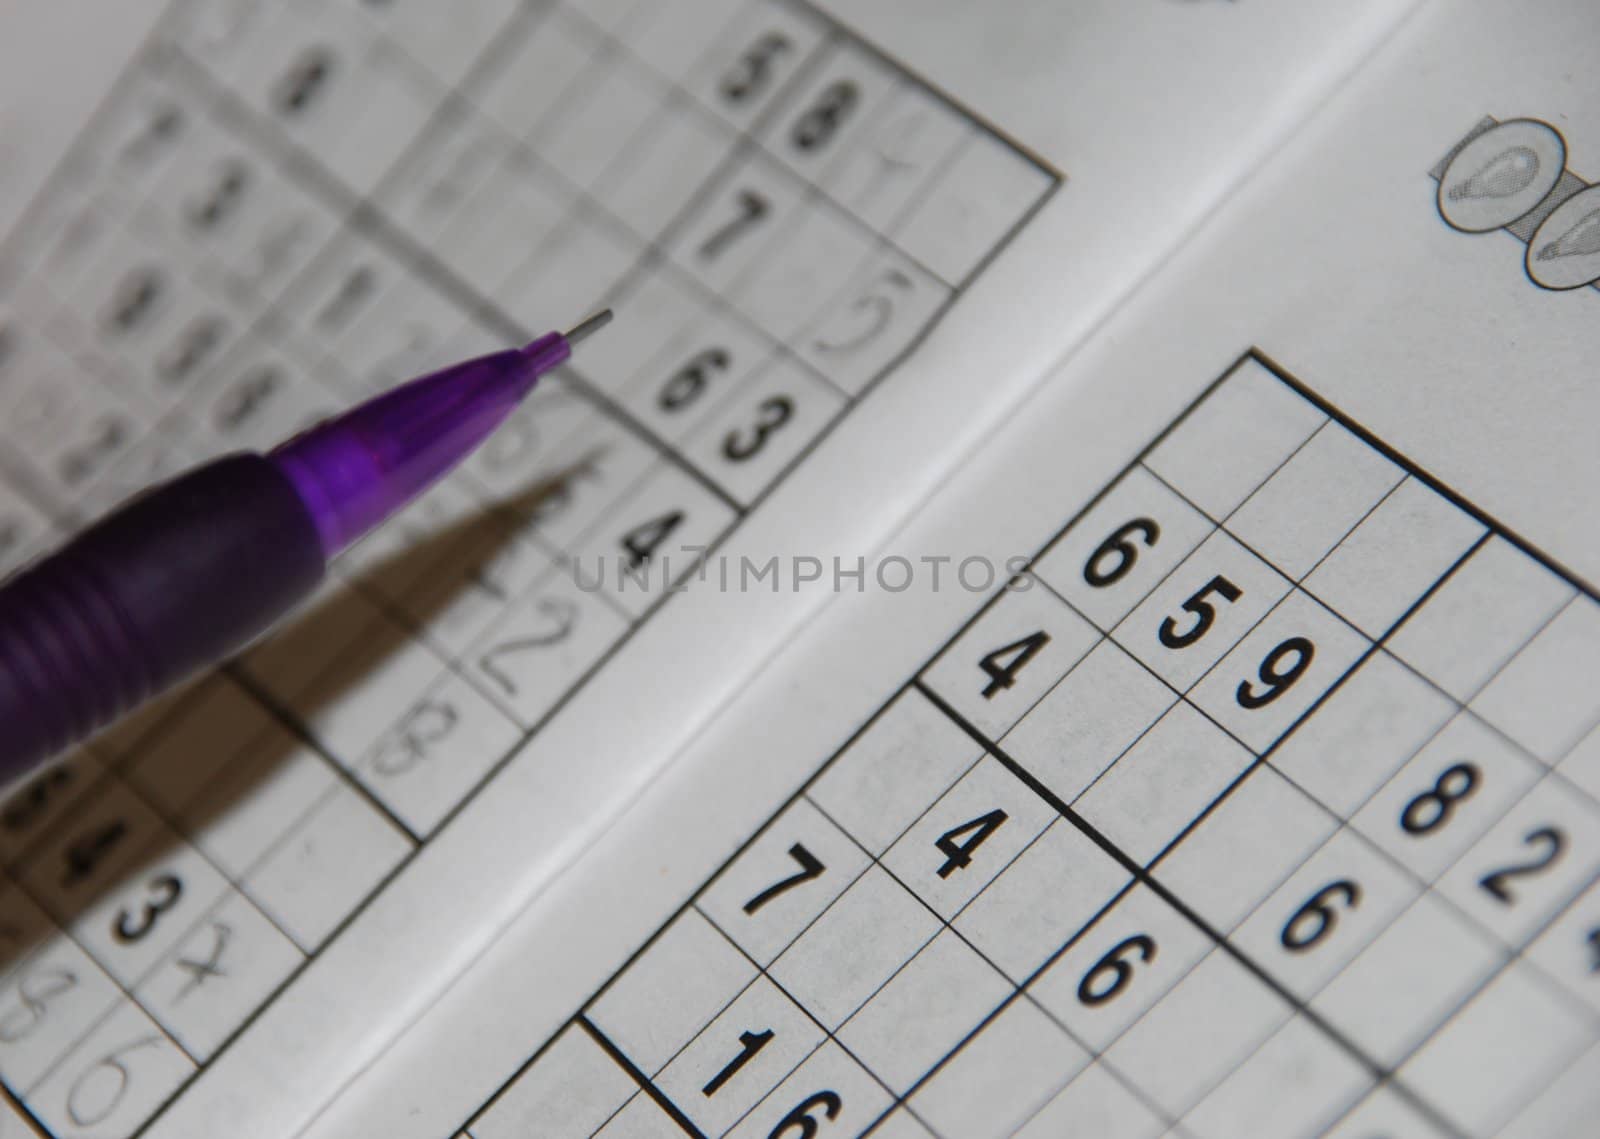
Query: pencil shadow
225	764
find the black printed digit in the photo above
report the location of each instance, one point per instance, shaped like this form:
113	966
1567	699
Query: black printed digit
822	120
165	890
959	844
642	542
750	1044
1318	918
810	867
28	805
304	82
689	382
1548	843
1006	662
1114	558
1109	976
1203	611
752	207
801	1123
1275	676
1433	808
771	414
752	72
84	856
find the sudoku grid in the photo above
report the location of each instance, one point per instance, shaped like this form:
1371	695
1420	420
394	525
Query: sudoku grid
281	208
1263	804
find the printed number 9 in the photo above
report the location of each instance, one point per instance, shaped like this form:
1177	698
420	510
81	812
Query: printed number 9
1120	552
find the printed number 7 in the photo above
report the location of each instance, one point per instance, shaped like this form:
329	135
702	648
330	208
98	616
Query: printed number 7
810	867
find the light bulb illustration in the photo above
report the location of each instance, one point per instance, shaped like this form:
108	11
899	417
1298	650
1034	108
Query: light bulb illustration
1582	239
1500	174
1507	173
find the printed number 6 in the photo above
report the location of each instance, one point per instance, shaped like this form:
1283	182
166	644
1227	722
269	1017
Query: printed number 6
801	1121
1126	553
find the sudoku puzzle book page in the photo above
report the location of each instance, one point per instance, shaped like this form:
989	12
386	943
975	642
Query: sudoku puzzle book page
279	209
1263	799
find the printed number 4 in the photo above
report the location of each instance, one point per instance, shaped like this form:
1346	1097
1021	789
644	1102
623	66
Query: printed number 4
1003	665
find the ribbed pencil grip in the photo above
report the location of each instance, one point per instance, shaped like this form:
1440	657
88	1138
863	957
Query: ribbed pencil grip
180	578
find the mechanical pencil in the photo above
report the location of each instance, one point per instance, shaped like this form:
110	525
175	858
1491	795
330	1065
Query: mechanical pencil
187	573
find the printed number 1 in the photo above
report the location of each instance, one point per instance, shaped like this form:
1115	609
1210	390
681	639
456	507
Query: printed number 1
752	1042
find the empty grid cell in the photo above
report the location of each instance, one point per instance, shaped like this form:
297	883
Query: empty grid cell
1162	783
1123	547
901	1125
642	1118
1249	843
1408	980
1519	1029
1363	732
1095	1103
549	58
1233	440
672	990
1008	658
1120	968
1313	925
326	866
570	274
1527	866
671	35
1041	901
875	318
740	1057
445	42
1201	610
1546	698
1386	1112
1001	1077
262	793
505	221
854	948
1089	719
1198	1033
1296	1084
114	1080
1566	1107
656	179
1279	671
1446	795
1569	948
1389	562
968	837
782	881
971	206
924	1012
568	1092
597	126
813	261
1480	618
1314	500
830	1089
893	771
1582	764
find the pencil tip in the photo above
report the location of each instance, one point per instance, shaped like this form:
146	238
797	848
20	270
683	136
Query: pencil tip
589	326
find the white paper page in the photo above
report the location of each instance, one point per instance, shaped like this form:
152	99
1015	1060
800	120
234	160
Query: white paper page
283	207
1373	420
